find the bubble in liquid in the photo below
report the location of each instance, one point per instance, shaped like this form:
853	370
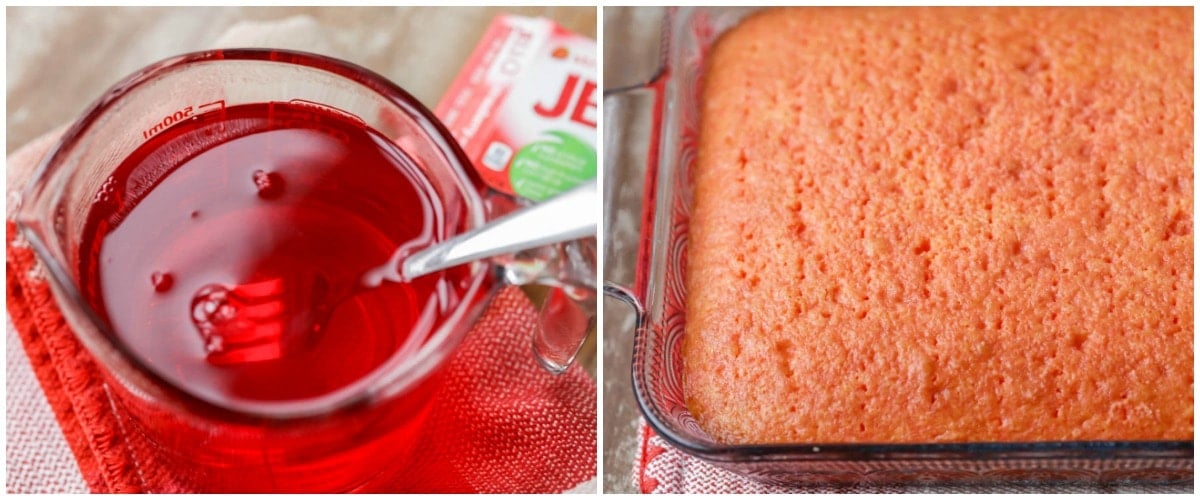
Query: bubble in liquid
211	312
268	184
60	218
161	281
107	190
239	324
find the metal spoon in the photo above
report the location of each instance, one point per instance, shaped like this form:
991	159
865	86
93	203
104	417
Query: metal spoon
568	216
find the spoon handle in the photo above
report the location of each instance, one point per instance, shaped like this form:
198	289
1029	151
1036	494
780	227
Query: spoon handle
568	216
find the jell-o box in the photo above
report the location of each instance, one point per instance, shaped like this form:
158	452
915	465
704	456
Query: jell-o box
524	107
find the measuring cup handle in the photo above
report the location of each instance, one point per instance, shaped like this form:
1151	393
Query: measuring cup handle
561	280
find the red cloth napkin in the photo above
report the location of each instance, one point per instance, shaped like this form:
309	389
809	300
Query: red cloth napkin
500	422
659	468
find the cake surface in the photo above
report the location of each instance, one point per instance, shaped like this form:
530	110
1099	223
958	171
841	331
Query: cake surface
944	225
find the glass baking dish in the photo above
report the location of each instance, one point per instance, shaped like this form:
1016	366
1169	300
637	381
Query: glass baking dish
658	296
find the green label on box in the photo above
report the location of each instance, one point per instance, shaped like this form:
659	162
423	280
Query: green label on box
550	166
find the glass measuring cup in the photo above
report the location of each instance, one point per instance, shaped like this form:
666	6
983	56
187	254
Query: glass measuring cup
359	437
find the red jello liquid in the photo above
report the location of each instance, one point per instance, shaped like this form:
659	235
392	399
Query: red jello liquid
227	254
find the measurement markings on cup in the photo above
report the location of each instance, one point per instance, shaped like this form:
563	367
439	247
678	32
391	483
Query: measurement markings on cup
178	116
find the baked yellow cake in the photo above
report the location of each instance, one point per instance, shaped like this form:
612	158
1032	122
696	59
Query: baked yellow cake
932	225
